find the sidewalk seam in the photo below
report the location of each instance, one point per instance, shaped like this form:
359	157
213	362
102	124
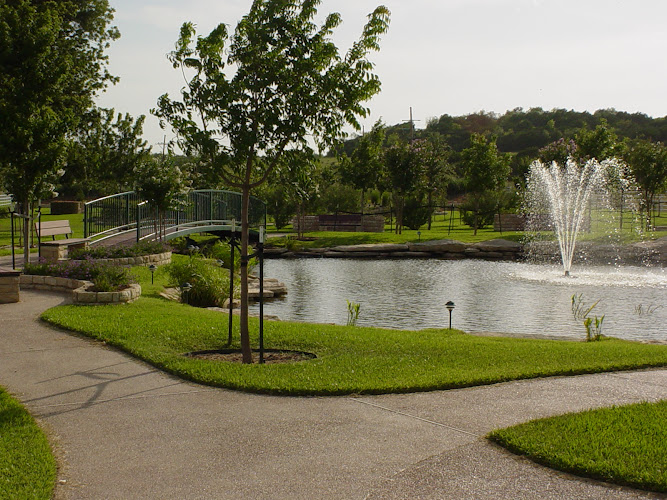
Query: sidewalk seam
432	422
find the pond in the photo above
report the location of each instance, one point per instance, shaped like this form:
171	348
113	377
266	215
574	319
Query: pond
502	297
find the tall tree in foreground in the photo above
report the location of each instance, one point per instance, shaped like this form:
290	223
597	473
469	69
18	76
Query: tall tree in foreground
276	81
52	64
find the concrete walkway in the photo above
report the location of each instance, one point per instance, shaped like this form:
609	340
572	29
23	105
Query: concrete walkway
123	429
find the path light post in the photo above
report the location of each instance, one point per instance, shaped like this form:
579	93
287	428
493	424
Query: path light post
419	235
152	269
185	288
450	307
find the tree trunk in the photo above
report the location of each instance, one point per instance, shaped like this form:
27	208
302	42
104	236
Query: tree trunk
243	319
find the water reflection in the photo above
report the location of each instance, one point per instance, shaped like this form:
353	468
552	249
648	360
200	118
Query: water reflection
492	297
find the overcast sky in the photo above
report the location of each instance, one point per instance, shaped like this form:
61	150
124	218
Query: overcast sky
439	56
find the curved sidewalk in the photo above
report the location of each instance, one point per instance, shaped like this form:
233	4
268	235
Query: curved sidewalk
123	429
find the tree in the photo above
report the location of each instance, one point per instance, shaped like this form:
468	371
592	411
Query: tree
485	171
104	153
278	80
434	154
403	174
362	169
162	184
52	64
601	143
648	164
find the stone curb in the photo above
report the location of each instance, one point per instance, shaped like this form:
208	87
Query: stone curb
79	289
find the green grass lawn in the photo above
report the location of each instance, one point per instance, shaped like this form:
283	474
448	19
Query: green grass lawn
623	445
349	359
27	467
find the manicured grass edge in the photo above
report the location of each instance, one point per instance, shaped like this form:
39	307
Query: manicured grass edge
239	381
531	440
27	464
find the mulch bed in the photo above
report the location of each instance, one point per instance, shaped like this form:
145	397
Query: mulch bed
235	356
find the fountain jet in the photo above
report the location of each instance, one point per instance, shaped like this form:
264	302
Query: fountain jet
563	192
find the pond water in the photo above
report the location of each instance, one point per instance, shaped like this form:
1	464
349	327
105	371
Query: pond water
504	297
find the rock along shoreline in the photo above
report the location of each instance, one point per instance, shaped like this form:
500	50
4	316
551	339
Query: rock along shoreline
644	253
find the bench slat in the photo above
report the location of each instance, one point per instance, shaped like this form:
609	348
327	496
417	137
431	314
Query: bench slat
53	228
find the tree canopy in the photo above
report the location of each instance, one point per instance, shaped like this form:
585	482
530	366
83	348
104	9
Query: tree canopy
52	64
277	82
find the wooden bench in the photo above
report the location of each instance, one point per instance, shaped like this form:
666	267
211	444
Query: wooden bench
57	249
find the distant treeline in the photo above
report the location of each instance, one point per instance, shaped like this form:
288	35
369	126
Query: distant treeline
523	132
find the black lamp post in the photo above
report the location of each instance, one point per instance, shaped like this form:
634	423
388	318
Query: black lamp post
419	235
450	307
185	288
12	207
152	269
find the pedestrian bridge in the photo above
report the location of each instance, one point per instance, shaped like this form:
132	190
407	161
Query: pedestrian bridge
125	218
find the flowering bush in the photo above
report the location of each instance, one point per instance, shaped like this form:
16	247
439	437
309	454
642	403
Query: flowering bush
106	277
119	252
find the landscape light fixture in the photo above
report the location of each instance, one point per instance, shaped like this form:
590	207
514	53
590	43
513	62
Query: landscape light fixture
152	269
450	307
185	288
419	235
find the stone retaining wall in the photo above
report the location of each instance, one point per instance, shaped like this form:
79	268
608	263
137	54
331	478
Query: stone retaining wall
157	259
647	253
9	286
79	289
443	249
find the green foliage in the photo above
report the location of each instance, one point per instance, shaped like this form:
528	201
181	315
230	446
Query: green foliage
279	205
349	359
277	82
27	466
581	312
52	64
648	164
363	168
112	279
622	445
119	251
210	285
403	175
600	143
485	172
352	313
87	269
105	153
479	210
415	212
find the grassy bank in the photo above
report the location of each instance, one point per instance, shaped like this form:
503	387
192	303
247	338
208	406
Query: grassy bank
623	445
27	467
349	359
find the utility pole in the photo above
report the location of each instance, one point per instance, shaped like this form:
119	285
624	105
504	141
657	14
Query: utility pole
412	125
164	145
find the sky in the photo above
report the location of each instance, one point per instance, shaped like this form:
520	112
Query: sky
439	56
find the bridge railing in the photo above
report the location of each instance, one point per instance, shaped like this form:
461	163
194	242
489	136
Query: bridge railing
126	212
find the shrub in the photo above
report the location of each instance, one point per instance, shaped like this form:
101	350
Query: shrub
210	284
112	279
106	277
415	215
119	252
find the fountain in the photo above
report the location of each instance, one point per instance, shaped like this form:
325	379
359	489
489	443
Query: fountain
563	193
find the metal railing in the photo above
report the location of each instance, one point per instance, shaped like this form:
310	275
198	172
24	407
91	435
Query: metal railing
126	212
